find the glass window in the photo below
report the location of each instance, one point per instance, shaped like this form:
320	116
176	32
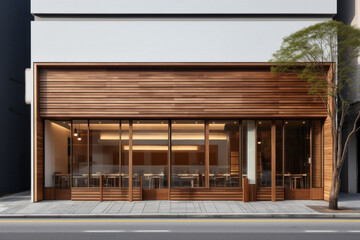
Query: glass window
316	160
188	153
224	154
104	152
263	153
279	153
248	150
57	153
297	154
150	153
80	169
124	157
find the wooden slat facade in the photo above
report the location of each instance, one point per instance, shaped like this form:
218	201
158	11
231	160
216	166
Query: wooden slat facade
39	161
107	194
264	194
173	91
203	194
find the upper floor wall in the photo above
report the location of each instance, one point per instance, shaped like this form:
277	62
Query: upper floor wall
328	7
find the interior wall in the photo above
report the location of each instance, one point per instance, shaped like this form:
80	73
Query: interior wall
56	151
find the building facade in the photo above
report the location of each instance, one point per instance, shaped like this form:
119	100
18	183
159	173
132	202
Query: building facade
349	13
15	20
174	100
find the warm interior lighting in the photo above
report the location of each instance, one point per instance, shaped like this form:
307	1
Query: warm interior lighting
108	135
217	126
160	148
75	133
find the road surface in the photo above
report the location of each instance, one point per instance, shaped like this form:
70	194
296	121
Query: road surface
173	229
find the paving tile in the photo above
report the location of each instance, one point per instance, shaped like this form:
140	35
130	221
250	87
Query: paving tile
21	204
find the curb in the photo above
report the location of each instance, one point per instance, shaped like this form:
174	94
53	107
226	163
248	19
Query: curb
220	215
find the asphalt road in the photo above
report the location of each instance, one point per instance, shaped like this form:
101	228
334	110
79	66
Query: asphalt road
173	229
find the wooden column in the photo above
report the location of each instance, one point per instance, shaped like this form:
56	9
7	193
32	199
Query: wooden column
130	161
245	187
207	154
273	161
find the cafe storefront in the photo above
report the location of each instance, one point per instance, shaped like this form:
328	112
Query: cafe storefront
160	132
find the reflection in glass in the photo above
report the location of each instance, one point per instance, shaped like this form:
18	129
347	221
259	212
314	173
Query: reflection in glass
57	153
80	168
150	153
124	159
263	153
104	152
188	153
279	153
316	160
224	153
297	154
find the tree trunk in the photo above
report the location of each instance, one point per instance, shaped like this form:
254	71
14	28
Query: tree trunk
335	188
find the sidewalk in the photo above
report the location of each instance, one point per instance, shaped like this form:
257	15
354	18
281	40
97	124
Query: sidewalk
19	205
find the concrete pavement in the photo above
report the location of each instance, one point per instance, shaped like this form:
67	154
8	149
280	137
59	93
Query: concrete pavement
19	205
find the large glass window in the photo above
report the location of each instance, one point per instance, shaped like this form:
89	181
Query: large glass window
188	153
279	153
316	160
263	153
297	154
57	153
80	166
150	153
124	157
104	152
224	154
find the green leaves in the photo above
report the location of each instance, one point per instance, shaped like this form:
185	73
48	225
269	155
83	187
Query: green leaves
324	54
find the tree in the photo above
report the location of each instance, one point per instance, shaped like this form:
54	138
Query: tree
325	55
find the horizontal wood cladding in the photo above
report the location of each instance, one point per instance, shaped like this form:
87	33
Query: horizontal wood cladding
264	194
204	194
173	91
297	194
85	194
108	194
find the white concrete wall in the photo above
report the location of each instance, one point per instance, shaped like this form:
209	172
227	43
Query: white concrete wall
184	6
206	40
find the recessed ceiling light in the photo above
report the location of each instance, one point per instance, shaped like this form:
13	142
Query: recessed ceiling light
260	122
303	122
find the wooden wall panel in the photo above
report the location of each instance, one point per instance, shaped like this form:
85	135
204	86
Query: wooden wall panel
39	161
204	194
328	159
173	91
49	193
265	194
297	194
